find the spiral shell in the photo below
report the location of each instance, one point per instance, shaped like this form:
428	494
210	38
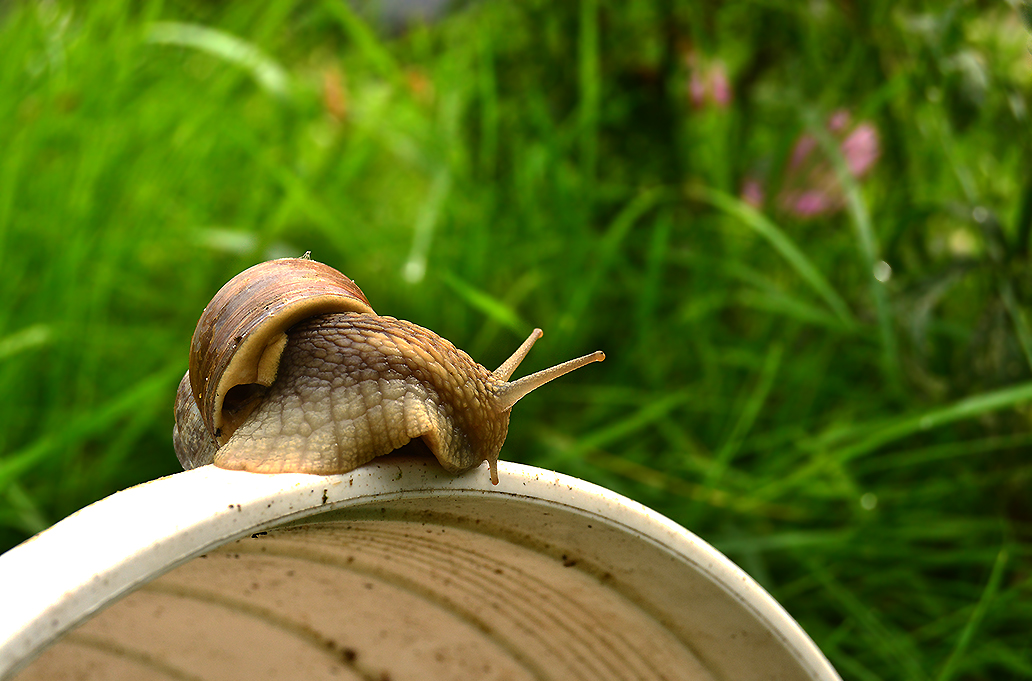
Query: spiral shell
241	334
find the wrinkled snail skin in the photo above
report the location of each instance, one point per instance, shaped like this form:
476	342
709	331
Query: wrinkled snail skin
346	387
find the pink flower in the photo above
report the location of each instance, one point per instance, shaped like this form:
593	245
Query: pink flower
861	149
707	81
752	192
720	86
838	121
811	188
697	89
810	203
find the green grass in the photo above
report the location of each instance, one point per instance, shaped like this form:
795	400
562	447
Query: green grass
860	445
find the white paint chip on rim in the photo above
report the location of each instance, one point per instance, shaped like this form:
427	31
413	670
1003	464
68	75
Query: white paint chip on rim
396	570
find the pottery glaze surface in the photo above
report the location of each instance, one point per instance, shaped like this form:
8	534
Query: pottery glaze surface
395	570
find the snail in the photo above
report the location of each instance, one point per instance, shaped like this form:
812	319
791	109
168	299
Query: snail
291	370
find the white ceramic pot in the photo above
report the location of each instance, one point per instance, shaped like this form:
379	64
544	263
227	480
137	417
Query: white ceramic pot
394	571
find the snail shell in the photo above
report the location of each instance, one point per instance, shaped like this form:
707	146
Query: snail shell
292	371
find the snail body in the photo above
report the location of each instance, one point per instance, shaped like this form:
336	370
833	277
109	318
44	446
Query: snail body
292	371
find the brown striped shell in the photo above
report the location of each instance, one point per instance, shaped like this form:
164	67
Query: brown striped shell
241	334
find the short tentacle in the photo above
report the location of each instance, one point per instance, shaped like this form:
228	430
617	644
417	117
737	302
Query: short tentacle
509	366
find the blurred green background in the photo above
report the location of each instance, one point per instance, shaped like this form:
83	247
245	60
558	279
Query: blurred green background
799	231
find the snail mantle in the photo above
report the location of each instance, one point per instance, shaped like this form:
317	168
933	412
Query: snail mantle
395	570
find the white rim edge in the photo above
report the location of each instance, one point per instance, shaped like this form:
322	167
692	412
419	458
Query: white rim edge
154	527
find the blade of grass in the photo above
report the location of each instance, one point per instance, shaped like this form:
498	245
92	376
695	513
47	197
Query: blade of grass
828	455
925	455
784	541
25	513
491	306
747	416
787	306
591	448
648	414
1018	318
607	252
489	107
29	338
847	663
364	39
765	228
423	233
896	648
590	89
966	408
649	293
671	484
869	249
992	587
272	77
11	173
